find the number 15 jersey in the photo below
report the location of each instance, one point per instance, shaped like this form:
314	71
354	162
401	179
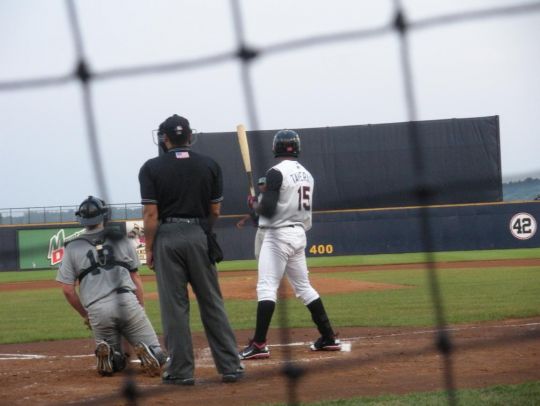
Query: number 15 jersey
295	185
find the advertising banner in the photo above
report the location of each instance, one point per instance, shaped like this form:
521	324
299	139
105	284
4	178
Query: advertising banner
43	248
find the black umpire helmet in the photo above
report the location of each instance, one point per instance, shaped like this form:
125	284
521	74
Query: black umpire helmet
92	211
177	128
286	143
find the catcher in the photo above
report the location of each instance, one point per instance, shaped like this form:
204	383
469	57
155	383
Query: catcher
110	299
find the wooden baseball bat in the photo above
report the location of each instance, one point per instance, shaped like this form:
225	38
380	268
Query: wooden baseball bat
244	150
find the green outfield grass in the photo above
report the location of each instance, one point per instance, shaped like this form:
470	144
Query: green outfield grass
469	295
527	394
350	260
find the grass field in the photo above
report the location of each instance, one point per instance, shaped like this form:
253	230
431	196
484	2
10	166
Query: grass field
469	295
527	394
378	259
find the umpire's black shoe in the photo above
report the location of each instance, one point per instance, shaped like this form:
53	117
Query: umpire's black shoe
326	344
255	351
174	380
232	377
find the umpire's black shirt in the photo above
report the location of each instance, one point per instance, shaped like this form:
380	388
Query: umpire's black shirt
182	183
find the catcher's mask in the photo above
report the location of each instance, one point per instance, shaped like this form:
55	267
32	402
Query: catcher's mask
177	129
93	211
286	143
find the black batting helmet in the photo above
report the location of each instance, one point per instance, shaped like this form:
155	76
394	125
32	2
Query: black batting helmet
92	211
286	143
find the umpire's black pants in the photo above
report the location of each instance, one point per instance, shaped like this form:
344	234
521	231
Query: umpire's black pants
181	257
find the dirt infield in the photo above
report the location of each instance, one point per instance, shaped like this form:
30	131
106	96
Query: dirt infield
381	361
376	361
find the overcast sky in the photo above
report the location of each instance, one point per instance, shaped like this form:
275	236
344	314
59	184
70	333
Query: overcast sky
478	68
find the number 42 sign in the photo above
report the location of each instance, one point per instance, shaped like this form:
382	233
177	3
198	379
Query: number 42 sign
523	226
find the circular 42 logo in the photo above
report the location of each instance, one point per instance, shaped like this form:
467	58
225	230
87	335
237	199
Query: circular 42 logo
523	226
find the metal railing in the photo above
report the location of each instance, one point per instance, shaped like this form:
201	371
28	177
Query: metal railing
62	214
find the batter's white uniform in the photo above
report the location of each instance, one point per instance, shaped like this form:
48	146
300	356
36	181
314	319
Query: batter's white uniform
259	236
283	247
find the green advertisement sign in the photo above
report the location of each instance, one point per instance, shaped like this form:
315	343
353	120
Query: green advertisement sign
43	248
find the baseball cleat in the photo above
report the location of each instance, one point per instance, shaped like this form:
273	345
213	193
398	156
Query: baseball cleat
232	377
104	359
326	344
254	351
168	379
149	362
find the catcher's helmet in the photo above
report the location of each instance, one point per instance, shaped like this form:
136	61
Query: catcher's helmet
286	143
92	211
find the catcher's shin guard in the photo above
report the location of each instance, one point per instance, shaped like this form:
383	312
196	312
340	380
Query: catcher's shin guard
119	361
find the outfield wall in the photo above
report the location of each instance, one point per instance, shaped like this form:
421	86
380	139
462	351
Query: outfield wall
385	231
8	249
382	231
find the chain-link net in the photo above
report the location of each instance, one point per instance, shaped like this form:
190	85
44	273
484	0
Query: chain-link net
246	55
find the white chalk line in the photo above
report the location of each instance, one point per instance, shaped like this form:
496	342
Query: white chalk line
205	352
21	356
370	337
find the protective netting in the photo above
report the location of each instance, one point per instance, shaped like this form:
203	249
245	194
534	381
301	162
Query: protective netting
245	55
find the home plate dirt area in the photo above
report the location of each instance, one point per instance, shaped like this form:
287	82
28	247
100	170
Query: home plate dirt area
373	361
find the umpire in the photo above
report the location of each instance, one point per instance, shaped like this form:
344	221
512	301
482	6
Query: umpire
181	192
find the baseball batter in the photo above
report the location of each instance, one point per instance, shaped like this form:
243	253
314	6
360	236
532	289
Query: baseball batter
285	215
110	297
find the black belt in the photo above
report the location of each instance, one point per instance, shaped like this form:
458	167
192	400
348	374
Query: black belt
122	290
275	228
181	220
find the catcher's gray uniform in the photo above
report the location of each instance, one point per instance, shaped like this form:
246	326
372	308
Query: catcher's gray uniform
106	289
